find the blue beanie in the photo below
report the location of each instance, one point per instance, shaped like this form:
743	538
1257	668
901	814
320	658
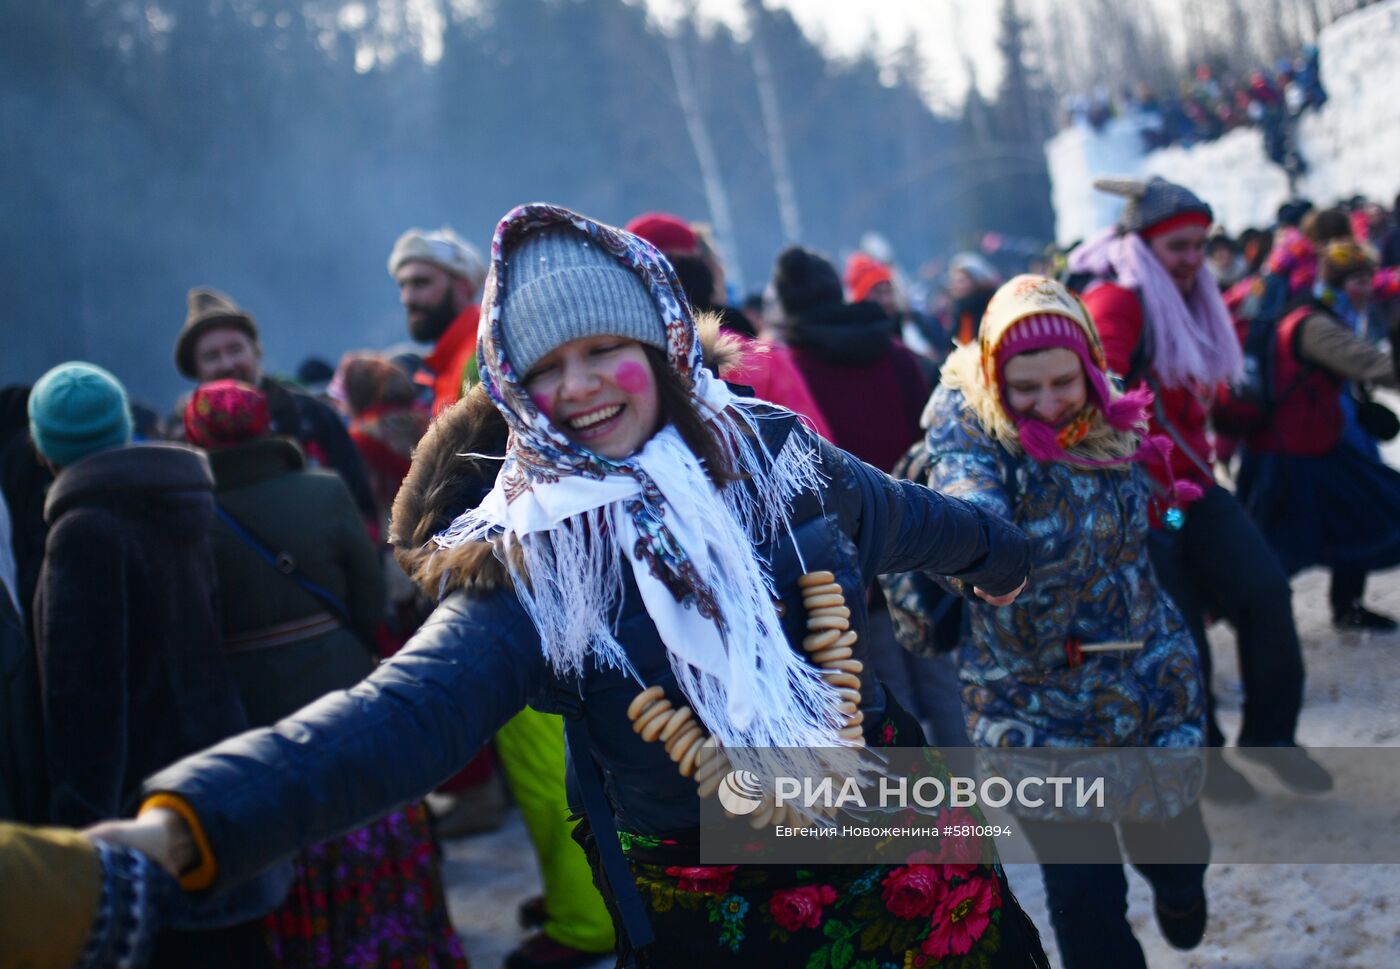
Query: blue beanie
77	409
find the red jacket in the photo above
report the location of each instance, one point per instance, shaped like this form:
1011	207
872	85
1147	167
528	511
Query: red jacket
769	369
873	409
453	360
1307	418
1118	314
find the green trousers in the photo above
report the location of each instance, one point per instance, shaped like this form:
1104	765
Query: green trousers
531	749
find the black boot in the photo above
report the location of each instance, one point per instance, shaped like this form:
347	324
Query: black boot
1184	929
539	951
1224	784
1293	766
1357	616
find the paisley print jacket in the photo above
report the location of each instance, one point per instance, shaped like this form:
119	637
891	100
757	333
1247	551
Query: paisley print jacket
1026	681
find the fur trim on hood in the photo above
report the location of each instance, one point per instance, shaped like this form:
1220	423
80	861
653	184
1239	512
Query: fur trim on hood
446	479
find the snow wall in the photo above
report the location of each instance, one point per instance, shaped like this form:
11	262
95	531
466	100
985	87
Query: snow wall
1351	145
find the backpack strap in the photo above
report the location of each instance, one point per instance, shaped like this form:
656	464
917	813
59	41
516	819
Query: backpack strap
284	563
1140	361
1160	412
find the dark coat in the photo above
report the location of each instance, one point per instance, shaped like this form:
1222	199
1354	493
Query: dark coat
318	431
322	436
24	482
869	386
127	627
478	660
309	516
23	784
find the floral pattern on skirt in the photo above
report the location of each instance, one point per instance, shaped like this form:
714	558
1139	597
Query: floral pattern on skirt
836	917
372	898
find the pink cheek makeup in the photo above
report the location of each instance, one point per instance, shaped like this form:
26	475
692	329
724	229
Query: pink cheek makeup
632	377
542	401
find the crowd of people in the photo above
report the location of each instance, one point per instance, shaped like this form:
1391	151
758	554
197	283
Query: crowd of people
269	662
1208	105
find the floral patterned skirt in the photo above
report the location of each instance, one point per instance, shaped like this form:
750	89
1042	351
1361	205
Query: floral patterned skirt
950	916
892	916
372	898
830	917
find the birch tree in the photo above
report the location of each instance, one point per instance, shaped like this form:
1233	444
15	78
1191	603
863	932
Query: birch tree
788	213
712	180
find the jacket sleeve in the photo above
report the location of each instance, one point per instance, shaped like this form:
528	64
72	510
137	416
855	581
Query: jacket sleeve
355	755
900	526
969	467
1332	346
81	628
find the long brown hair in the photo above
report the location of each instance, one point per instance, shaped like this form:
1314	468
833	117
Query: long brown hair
678	407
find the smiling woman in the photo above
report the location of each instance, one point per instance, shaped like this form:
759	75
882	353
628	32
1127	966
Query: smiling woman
600	391
643	521
1047	385
1027	425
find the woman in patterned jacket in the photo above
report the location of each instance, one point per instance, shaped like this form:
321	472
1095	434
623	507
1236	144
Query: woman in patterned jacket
1093	654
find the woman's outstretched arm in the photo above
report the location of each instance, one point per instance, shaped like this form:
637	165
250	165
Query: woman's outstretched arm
349	757
903	527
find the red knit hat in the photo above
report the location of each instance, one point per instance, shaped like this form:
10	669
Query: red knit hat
222	413
669	233
863	274
1175	222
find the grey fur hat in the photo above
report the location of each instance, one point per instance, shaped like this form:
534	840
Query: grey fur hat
1152	201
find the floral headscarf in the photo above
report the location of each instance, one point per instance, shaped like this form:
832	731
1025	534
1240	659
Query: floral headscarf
223	413
564	520
1110	428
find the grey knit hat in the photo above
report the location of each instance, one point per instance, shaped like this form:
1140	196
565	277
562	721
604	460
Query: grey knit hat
1153	201
564	286
442	248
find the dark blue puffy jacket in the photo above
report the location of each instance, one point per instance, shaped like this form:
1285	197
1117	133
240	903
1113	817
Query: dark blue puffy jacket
357	754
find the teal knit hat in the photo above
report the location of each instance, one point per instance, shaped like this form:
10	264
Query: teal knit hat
77	409
565	286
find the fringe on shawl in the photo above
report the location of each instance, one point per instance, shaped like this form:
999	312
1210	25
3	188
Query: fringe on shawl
570	581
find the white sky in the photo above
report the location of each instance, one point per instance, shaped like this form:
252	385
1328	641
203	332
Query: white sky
949	33
957	37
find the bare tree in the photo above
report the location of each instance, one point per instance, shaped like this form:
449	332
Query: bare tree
788	212
716	197
1310	15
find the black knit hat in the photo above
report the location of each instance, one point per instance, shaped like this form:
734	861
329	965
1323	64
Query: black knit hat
209	309
803	279
1292	211
1152	202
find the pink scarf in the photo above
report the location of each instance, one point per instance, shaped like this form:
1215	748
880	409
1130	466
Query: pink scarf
1193	339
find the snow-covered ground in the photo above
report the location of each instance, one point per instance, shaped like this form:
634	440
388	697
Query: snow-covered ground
1293	916
1261	916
